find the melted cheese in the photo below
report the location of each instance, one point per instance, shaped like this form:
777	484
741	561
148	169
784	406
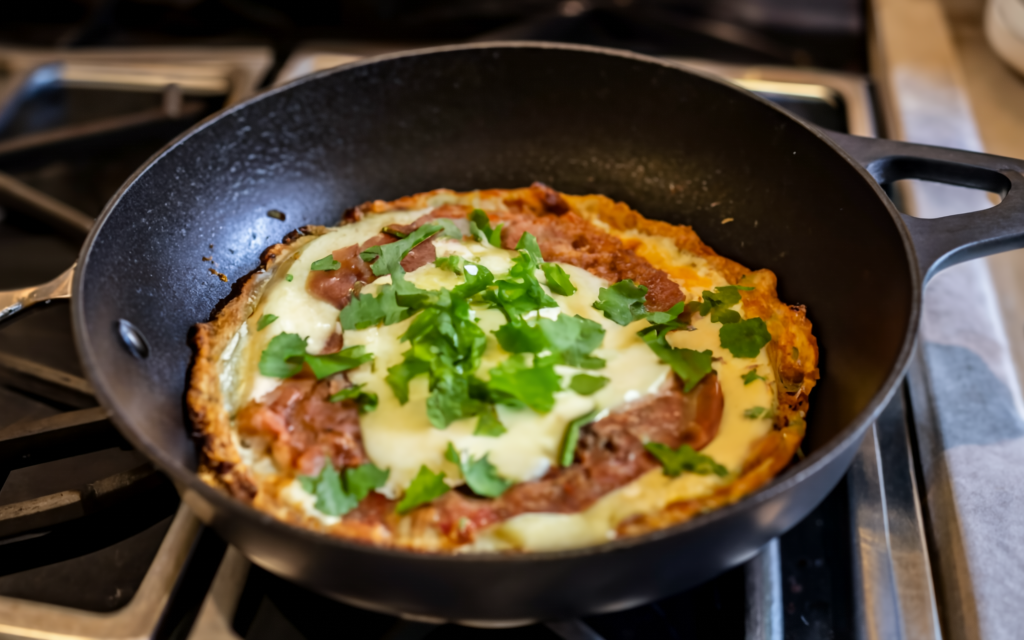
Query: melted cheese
401	438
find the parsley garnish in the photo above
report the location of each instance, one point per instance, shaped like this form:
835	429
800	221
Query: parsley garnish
366	401
488	424
343	360
516	384
331	497
264	320
558	279
572	437
288	277
691	366
480	228
571	339
745	339
283	356
326	263
478	278
750	376
387	257
587	385
753	413
718	303
623	302
334	499
286	352
676	461
518	336
480	475
399	376
365	310
426	486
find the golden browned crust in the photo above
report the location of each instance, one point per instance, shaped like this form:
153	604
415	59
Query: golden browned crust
793	352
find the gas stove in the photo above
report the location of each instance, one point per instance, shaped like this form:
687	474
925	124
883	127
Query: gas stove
94	543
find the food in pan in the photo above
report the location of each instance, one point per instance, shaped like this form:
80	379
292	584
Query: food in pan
499	370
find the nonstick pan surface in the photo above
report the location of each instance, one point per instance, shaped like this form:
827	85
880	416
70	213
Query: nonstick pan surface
674	145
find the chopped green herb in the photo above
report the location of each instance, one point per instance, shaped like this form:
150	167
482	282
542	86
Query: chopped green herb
399	376
451	263
478	278
572	437
750	376
718	303
516	298
362	311
288	277
587	385
361	480
426	486
745	339
573	338
676	461
394	231
528	244
691	366
326	263
753	413
480	228
515	384
671	316
488	424
365	400
331	497
558	279
449	400
343	360
448	228
264	320
623	302
518	336
386	258
480	475
283	356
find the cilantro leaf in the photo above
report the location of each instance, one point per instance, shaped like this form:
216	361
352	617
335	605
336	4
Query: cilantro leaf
691	366
488	424
517	298
331	498
283	356
745	339
623	302
326	263
480	475
666	317
480	228
426	486
448	228
451	263
386	258
449	401
718	303
750	376
676	461
753	413
264	320
343	360
518	336
572	437
587	385
399	376
528	244
515	384
366	401
572	338
478	278
558	279
362	311
361	480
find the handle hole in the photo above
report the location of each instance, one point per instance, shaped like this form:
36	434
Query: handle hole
936	199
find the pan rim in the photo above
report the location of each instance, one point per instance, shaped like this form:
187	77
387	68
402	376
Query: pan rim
188	481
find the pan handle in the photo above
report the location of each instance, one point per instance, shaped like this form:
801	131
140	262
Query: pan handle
16	300
943	242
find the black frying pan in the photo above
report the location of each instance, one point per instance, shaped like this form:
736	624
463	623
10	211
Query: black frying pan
673	144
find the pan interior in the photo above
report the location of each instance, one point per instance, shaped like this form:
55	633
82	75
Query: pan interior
674	146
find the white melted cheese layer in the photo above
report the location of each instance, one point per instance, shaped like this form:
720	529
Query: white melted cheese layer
299	312
654	490
401	438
